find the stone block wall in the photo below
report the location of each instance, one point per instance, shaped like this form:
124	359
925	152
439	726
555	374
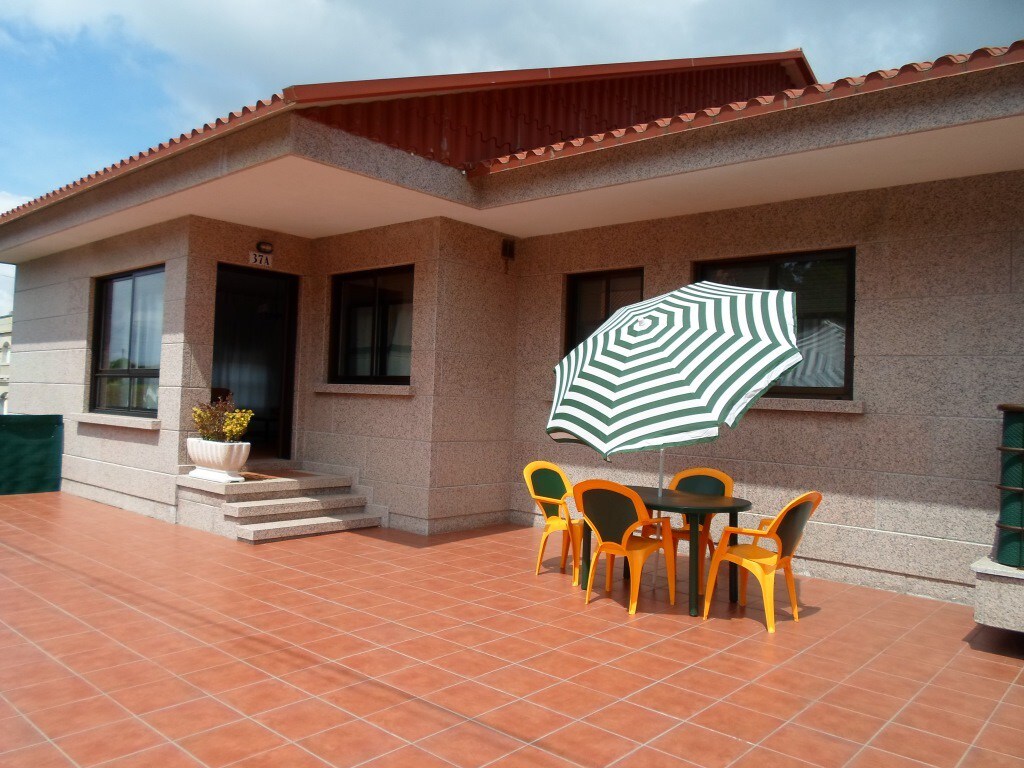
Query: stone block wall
907	473
908	482
130	463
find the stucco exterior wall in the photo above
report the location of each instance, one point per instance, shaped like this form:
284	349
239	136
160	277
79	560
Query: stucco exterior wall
908	483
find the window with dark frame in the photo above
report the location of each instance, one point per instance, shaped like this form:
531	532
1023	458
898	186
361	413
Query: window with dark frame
371	327
823	282
592	297
126	350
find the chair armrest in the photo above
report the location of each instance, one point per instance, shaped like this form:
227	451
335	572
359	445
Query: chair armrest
645	527
766	523
757	533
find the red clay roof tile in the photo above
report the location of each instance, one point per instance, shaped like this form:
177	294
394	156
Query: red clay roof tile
944	66
305	96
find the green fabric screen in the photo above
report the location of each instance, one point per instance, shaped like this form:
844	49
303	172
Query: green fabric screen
30	453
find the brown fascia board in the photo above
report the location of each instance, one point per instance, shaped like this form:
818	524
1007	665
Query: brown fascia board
401	87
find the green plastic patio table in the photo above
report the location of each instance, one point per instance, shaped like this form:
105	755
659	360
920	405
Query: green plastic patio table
694	507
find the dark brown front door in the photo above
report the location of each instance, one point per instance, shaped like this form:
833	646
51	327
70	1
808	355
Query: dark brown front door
254	352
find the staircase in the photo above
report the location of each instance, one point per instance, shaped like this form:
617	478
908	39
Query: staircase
280	504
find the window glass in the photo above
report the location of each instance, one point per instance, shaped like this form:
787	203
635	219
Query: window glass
823	285
371	327
116	318
147	320
594	296
129	332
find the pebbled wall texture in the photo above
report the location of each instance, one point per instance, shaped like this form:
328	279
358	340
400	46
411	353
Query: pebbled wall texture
907	469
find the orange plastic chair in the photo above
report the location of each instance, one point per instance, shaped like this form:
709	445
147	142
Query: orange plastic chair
711	482
786	530
550	488
614	513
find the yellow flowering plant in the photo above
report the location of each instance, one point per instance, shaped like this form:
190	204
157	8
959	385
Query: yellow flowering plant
221	421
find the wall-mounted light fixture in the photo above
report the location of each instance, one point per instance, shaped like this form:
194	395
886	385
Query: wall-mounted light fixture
264	247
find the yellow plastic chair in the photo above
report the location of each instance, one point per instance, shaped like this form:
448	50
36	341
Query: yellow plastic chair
550	488
614	513
711	482
786	529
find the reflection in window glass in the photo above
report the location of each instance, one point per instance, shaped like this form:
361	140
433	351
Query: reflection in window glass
129	332
594	296
822	283
371	327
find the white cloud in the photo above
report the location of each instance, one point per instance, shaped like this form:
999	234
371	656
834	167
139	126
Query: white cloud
9	200
217	56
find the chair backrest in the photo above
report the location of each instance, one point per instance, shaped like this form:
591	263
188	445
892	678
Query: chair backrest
789	524
548	486
610	509
711	482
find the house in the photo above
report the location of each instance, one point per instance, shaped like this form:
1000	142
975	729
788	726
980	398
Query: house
388	271
6	324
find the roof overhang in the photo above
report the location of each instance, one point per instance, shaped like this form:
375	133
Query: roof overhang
307	198
793	61
293	175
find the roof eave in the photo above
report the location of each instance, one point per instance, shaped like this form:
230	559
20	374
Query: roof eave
402	87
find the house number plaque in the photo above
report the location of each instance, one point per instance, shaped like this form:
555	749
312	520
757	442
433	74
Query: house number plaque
261	259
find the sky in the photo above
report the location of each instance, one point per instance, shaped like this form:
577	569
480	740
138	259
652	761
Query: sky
86	83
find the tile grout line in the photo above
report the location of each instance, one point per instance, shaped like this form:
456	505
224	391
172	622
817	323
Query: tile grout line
988	720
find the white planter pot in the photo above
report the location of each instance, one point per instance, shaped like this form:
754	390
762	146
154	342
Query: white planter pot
218	462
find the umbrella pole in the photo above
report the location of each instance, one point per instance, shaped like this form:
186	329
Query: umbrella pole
661	470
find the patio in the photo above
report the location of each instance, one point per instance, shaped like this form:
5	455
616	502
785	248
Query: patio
130	642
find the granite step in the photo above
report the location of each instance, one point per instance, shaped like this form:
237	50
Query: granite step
260	487
289	508
308	526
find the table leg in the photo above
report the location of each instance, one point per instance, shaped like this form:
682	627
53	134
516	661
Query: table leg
734	592
694	523
585	558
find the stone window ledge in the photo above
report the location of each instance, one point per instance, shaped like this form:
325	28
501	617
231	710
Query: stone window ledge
110	420
809	405
799	404
387	390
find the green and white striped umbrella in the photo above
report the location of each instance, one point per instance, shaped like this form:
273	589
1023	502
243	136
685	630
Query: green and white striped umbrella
670	370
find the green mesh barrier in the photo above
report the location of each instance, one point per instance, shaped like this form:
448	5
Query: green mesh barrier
30	453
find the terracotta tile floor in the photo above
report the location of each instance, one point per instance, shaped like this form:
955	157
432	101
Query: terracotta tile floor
129	642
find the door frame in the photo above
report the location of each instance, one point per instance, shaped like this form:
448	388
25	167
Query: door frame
286	422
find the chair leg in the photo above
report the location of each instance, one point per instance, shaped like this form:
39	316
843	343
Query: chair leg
768	590
590	578
791	583
543	543
565	550
670	567
636	565
610	572
716	563
744	574
575	533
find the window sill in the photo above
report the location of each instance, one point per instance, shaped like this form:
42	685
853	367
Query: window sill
387	390
110	420
808	405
